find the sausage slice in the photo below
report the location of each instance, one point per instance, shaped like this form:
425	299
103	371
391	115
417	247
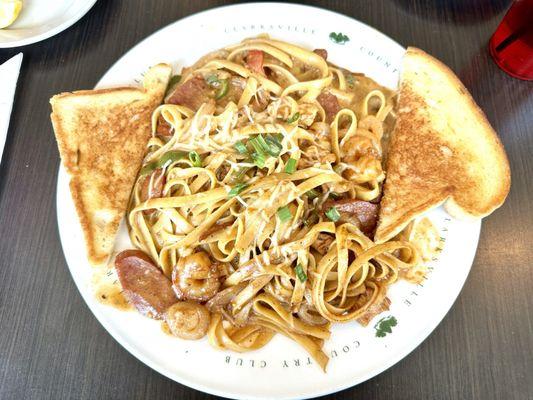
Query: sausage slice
144	285
330	104
322	53
361	213
192	93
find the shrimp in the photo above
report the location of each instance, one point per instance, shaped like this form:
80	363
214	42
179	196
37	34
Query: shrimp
372	124
358	146
364	169
366	141
188	320
196	277
363	151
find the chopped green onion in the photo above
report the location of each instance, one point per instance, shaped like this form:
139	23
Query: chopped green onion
223	90
173	82
350	80
263	147
312	194
273	145
168	158
241	147
212	80
222	84
259	144
284	214
195	159
239	174
259	159
237	189
290	167
148	168
300	273
334	196
294	118
333	214
311	220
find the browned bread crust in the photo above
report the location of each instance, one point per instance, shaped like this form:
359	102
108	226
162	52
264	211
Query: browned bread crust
102	136
442	149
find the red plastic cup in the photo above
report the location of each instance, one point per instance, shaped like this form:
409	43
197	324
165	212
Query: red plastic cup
511	46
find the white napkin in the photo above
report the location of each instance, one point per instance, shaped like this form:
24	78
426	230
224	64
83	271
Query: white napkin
9	73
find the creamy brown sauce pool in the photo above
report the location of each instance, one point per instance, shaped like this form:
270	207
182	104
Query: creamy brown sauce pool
111	295
107	289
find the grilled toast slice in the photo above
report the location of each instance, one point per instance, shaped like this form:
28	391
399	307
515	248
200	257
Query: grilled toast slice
102	137
442	150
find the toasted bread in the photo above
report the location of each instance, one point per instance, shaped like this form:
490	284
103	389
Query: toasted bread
102	136
442	150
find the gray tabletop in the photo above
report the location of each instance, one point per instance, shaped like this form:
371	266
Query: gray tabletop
51	346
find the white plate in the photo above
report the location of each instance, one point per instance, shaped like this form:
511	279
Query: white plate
40	19
282	369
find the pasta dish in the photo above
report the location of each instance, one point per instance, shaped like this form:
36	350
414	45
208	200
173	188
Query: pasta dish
254	211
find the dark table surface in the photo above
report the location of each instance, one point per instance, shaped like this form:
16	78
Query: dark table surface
51	347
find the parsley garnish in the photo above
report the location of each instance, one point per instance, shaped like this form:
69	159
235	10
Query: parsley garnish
385	325
339	38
